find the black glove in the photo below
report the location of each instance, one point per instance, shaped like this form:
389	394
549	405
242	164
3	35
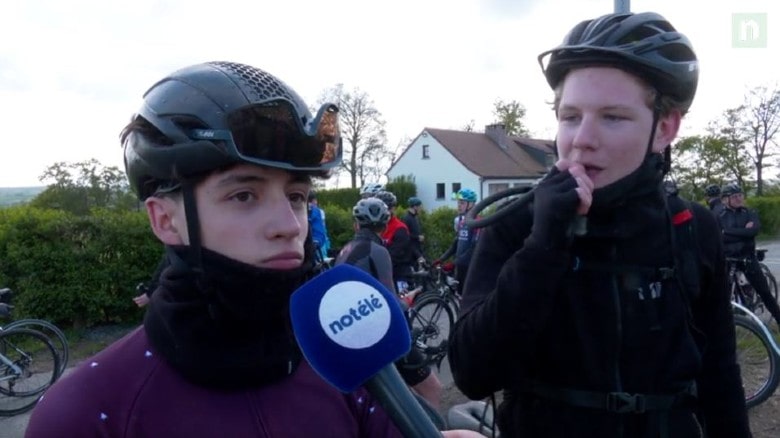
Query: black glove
555	209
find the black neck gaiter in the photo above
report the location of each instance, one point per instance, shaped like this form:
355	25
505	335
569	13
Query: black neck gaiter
228	327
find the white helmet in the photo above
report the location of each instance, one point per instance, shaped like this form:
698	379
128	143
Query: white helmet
371	189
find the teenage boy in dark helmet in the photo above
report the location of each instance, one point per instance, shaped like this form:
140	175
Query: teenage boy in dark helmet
602	333
223	155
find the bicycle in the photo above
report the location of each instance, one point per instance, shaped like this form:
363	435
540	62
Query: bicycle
742	291
437	280
29	365
322	264
51	331
432	317
757	354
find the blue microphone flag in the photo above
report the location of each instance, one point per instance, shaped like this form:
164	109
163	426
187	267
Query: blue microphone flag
348	325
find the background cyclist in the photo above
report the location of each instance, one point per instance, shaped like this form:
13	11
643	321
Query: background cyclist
367	252
462	246
740	227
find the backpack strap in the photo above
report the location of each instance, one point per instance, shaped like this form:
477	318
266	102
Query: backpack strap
686	245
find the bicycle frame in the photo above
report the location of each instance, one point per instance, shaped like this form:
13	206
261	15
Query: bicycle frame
15	368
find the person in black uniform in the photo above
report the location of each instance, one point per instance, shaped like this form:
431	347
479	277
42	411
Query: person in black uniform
602	333
740	227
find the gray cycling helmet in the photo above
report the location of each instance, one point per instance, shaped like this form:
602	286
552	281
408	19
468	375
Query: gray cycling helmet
731	189
388	198
371	212
644	44
215	114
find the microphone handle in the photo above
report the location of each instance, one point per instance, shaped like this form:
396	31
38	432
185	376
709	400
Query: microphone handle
396	398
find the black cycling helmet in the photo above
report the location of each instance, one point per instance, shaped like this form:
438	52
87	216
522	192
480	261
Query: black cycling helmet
387	197
219	113
712	190
312	195
644	44
731	189
371	212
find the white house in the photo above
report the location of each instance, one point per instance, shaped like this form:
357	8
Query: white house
443	161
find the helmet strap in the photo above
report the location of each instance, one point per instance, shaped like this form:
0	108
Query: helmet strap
193	223
667	163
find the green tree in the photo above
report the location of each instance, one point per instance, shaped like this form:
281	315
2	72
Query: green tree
701	160
751	130
511	115
80	187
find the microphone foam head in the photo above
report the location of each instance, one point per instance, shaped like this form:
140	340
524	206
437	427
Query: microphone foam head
348	325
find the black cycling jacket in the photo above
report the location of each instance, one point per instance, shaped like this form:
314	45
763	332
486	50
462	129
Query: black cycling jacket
367	252
561	319
738	240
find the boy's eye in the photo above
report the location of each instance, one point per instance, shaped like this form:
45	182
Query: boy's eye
242	196
297	198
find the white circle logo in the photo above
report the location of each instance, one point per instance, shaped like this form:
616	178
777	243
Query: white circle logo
354	314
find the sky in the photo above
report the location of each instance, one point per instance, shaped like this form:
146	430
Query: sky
73	72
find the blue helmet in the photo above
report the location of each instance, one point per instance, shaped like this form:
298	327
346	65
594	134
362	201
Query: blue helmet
414	201
467	195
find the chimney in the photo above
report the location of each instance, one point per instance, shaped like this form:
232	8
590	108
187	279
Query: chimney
497	133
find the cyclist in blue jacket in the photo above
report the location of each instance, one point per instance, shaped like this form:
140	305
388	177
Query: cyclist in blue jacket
604	332
319	231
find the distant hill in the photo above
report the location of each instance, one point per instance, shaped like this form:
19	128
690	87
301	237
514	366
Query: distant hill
18	195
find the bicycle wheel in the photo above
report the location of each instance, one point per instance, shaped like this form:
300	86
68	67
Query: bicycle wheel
28	366
56	336
431	319
757	362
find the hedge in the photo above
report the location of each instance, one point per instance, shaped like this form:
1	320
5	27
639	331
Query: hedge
82	271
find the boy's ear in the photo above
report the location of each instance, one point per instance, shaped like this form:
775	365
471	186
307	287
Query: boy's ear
163	218
666	131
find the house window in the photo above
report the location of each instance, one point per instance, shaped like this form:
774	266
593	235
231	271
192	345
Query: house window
496	187
439	190
426	155
455	187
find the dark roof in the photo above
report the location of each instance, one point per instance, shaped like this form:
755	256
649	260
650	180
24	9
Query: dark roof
481	155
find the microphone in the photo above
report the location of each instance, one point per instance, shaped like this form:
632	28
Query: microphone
351	329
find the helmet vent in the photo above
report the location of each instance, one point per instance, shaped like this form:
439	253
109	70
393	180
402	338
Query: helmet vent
257	82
